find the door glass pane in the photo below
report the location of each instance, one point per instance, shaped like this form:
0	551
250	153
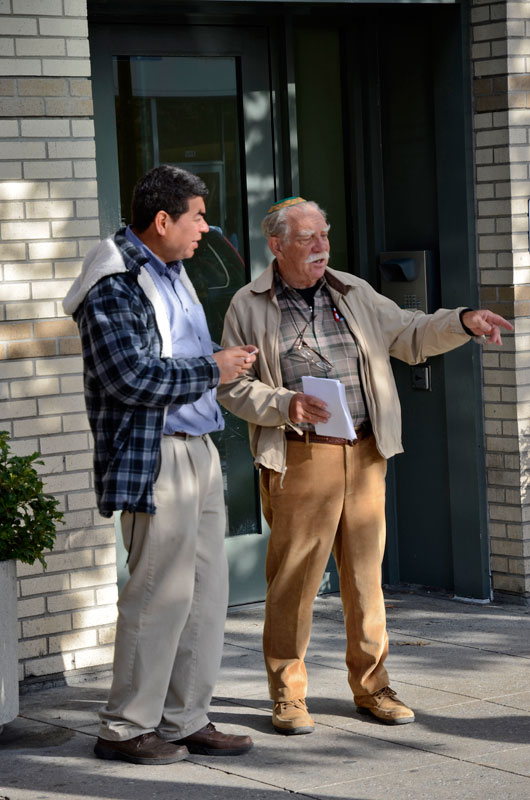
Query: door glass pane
184	111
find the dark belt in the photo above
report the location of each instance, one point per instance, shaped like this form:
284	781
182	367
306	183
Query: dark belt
310	437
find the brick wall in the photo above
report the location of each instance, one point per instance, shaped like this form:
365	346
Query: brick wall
501	71
48	220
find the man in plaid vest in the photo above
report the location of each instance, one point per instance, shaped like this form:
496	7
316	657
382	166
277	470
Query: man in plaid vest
324	494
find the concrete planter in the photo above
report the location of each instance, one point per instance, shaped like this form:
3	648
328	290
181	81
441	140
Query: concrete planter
8	643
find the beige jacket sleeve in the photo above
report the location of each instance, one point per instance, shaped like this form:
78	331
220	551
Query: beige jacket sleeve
257	396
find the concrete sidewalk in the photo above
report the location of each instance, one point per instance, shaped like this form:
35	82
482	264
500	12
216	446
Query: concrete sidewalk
465	669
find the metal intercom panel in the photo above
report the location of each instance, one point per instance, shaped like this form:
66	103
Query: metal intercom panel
407	278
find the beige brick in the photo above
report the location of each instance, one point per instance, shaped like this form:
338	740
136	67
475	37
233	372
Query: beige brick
85	245
23	190
78	500
70	600
19	66
41	626
107	595
80	87
92	618
98	536
44	128
85	169
34	648
48	169
93	577
13	292
19	26
56	249
40	47
498	377
75	422
35	387
29	310
66	66
16	330
74	189
30	608
72	149
10	170
60	366
9	128
22	107
41	7
78	461
505	513
490	174
107	635
25	230
78	48
78	519
76	228
36	668
93	658
69	107
63	27
73	385
38	426
53	328
66	443
68	347
42	87
513	496
17	409
43	290
31	349
105	555
67	482
87	208
67	269
75	8
32	271
83	128
7	47
72	641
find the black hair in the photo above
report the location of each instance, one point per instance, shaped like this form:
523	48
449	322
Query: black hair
164	188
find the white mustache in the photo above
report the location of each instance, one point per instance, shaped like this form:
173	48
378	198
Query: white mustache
317	257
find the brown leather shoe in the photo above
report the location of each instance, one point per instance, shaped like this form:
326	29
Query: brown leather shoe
148	748
209	742
385	706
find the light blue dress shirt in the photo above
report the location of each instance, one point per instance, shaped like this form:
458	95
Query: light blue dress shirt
190	339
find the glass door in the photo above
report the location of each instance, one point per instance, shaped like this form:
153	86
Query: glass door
198	98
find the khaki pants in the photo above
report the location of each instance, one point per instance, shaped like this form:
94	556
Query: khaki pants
332	500
172	609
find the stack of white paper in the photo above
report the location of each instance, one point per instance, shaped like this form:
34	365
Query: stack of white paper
333	393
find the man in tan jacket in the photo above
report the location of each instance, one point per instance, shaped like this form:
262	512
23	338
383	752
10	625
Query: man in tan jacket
324	494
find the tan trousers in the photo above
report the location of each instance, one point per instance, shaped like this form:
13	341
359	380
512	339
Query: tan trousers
172	609
332	500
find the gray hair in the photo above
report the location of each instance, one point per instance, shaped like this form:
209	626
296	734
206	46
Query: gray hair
277	223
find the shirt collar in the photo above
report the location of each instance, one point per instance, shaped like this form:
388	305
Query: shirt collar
285	287
171	269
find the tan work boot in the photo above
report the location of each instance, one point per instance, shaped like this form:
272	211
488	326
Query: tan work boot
385	706
292	717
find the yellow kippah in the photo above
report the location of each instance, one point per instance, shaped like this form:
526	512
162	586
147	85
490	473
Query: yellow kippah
285	203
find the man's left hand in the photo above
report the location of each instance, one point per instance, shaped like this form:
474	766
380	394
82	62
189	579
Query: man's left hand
485	323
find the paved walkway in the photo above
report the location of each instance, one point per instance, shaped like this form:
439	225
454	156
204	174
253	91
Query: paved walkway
464	668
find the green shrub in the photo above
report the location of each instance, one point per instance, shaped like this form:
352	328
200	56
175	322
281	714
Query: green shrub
27	514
